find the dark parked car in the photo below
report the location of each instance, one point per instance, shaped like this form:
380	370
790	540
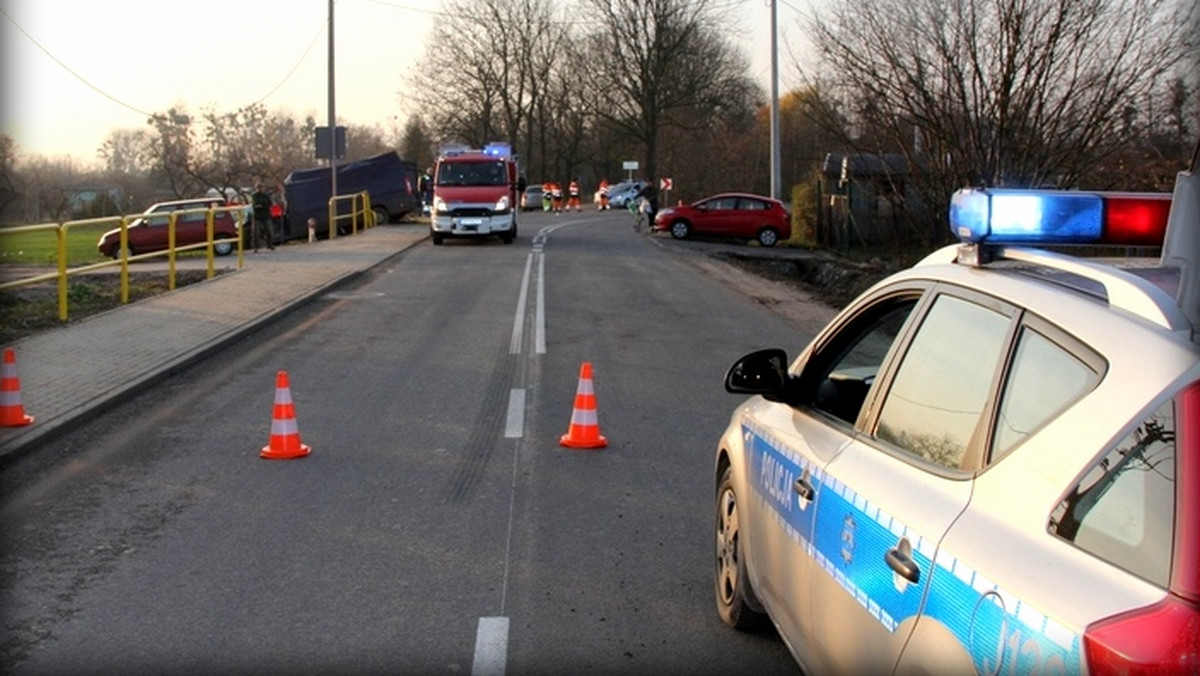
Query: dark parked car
148	233
740	215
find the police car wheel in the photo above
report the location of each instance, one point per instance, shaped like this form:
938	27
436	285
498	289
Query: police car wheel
736	603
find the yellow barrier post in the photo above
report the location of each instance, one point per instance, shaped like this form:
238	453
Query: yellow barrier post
210	254
171	251
61	244
124	259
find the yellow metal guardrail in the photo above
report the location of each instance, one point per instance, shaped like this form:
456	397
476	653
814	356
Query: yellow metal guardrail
61	231
360	206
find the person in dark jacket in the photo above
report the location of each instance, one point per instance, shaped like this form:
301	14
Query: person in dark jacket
261	202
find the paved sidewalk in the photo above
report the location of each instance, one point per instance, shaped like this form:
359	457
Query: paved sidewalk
74	372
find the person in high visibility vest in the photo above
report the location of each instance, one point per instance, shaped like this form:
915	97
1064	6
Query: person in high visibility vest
573	194
547	189
556	194
603	192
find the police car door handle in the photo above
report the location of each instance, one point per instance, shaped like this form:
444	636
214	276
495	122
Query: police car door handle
899	559
803	487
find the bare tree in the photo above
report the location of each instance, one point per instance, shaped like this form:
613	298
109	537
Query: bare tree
10	191
671	62
484	67
994	92
172	149
50	188
128	157
415	144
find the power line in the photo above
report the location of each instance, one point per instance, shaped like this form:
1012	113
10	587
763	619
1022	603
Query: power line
67	68
320	29
135	109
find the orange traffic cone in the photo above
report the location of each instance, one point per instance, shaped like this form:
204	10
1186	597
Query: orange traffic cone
12	413
584	431
285	436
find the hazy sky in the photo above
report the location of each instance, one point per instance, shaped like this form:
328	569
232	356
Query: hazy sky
75	70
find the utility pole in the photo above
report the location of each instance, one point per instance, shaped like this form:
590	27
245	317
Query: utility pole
776	179
332	114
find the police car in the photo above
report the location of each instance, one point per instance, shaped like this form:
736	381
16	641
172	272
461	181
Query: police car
988	463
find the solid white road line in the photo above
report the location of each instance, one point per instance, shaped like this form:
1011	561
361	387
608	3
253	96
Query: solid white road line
491	647
540	329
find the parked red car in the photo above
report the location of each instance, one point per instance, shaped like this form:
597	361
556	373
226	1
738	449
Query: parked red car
149	233
730	214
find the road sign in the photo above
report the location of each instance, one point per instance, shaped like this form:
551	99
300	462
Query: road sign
665	184
327	143
630	165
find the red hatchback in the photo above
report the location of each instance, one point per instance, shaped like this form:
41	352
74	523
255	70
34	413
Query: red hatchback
149	233
730	214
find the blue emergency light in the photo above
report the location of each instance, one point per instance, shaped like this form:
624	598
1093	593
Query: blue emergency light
498	149
1010	216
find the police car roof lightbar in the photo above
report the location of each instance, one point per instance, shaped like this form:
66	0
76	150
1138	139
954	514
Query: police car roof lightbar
1010	216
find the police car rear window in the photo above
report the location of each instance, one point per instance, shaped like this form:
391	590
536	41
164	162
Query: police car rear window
1123	509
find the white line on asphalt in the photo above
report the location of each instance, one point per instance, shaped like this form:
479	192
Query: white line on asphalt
518	332
491	647
540	334
514	428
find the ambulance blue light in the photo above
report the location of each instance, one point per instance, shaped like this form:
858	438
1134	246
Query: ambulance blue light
1008	216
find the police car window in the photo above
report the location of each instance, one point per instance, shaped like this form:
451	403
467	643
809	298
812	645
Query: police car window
936	400
1044	379
846	369
1123	509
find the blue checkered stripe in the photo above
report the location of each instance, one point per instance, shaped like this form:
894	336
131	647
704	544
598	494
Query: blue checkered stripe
992	624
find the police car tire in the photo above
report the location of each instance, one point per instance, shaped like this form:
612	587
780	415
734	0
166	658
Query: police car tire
738	606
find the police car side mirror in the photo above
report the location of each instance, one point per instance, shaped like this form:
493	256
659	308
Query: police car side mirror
763	372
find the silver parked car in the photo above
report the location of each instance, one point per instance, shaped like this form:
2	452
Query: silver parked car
989	463
620	194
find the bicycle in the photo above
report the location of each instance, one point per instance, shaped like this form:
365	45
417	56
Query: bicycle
635	207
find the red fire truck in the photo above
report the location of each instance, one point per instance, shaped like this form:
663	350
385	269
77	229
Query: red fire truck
475	193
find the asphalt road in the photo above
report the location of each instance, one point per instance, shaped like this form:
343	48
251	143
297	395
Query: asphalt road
438	525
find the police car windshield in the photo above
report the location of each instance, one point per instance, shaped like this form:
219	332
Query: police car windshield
471	173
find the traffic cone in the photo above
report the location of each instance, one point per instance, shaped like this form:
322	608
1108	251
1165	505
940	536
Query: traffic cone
12	413
285	436
584	431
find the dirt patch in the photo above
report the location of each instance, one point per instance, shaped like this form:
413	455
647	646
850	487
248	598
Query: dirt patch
808	290
28	310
